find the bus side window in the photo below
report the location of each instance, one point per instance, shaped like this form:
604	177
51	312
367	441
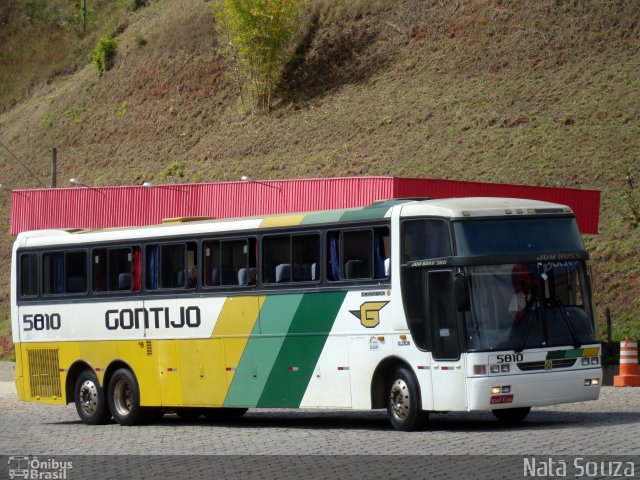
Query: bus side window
357	249
358	254
291	258
113	269
64	272
229	263
29	275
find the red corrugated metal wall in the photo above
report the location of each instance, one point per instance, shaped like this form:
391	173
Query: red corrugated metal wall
80	207
585	203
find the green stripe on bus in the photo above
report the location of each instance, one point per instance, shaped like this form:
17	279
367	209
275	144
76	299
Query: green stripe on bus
576	352
366	213
322	217
262	349
301	349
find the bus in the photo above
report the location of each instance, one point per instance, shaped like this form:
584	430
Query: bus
409	305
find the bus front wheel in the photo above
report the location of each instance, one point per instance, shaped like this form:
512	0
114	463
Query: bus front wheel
89	399
124	398
511	415
403	404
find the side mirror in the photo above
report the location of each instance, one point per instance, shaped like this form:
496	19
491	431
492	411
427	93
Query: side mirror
461	288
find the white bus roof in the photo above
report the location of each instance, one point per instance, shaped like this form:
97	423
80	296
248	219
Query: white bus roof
447	208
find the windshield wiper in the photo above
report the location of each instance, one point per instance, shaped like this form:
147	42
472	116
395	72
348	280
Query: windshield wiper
532	300
565	316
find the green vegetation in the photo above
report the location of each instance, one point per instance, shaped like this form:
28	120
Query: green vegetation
259	35
173	170
43	39
104	54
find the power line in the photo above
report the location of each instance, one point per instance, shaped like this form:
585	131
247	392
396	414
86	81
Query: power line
23	165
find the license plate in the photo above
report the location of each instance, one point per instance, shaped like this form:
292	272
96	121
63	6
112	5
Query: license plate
501	399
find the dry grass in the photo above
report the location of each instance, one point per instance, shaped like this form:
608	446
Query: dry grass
538	92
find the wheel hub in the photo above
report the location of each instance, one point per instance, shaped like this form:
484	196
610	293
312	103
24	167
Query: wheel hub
400	399
89	397
122	398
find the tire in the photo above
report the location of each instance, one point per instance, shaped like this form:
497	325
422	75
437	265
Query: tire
124	398
403	401
215	414
90	400
186	413
511	415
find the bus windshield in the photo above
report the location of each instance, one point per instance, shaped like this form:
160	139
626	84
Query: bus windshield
528	305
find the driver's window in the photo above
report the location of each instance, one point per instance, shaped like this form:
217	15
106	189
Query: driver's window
425	238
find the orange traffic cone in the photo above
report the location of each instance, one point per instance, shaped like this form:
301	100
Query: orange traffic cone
628	365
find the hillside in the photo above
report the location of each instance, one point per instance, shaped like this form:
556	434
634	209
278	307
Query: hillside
534	92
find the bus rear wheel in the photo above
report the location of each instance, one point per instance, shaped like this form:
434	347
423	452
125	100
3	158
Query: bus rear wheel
89	399
403	403
511	415
124	398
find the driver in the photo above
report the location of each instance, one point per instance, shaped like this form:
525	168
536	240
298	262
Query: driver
522	286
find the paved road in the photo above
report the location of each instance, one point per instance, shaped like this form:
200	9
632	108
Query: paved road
609	426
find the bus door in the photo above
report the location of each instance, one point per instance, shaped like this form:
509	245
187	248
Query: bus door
448	372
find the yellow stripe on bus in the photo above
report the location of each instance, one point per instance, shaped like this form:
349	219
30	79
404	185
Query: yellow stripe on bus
234	326
591	352
282	221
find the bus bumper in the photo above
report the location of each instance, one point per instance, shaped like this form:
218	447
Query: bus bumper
534	389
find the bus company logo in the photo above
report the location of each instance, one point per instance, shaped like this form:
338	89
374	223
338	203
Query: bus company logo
369	313
33	468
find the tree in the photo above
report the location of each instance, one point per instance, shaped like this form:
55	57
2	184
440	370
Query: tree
260	35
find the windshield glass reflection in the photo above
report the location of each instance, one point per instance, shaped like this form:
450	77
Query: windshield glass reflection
527	305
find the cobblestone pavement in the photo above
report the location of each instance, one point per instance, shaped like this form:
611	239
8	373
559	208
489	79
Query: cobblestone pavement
608	426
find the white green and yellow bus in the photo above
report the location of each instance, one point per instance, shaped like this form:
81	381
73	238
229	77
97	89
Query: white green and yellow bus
413	305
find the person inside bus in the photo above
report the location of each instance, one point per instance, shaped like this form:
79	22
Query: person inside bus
522	299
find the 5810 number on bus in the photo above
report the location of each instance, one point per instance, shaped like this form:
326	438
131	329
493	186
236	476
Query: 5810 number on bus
41	321
508	358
